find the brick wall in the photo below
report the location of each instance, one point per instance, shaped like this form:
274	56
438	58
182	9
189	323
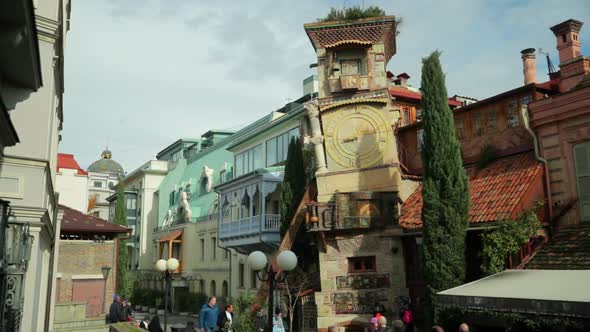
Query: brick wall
84	259
334	266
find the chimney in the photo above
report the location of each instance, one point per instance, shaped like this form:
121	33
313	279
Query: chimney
568	40
529	67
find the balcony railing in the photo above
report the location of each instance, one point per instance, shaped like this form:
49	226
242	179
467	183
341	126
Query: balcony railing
250	226
179	222
330	219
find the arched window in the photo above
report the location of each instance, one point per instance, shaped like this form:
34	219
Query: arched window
213	289
201	286
224	289
204	184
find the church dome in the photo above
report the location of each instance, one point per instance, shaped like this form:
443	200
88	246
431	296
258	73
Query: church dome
106	165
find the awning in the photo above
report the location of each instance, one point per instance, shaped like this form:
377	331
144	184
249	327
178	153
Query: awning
545	292
171	236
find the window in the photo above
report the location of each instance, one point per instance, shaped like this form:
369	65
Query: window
202	249
201	286
491	120
204	184
513	119
222	175
477	124
253	277
97	184
418	115
420	139
525	100
111	185
249	160
361	264
459	129
241	275
406	116
131	203
350	67
172	198
214	248
224	289
213	288
277	147
582	169
563	38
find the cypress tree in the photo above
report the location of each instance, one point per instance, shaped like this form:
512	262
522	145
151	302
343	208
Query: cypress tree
123	286
445	193
294	181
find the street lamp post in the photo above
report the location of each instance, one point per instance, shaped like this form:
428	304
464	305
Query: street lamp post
286	260
105	273
167	267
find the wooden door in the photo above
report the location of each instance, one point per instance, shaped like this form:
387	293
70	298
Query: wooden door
582	165
90	291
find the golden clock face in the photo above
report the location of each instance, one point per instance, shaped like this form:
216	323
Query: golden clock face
355	136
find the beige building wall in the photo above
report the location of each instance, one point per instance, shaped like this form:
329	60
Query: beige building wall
28	172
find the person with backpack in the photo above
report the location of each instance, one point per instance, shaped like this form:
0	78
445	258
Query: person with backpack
226	319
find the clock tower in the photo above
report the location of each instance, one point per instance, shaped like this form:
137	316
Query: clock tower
354	108
358	175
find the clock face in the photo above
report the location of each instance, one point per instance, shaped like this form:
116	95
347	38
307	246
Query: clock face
355	136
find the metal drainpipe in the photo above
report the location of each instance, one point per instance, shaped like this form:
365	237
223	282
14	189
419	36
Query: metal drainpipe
219	216
525	117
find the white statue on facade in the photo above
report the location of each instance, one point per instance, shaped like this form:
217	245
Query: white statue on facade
184	210
208	174
168	218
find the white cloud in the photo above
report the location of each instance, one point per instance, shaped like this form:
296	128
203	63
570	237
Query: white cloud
141	74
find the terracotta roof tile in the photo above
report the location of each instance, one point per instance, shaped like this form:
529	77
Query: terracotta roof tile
171	236
75	221
409	94
569	249
370	31
495	191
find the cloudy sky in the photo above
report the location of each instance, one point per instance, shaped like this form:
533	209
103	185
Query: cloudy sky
142	73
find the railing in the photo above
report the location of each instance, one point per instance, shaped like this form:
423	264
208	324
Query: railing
249	226
330	219
182	222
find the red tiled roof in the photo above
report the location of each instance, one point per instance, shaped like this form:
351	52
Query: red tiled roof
75	221
68	161
409	94
569	249
495	191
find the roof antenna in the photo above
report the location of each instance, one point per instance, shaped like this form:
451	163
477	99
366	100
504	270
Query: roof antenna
549	63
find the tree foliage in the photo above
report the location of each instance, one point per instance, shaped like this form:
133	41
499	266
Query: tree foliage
294	181
123	284
507	239
445	193
352	13
244	314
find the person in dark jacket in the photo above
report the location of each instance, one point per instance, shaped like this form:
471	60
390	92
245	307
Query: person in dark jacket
260	322
208	315
226	319
155	325
116	313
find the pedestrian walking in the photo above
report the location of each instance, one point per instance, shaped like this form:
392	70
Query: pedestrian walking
398	326
155	325
463	327
277	321
208	315
382	321
260	321
373	324
226	319
116	313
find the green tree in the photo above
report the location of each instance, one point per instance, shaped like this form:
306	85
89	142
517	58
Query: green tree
123	285
445	193
294	181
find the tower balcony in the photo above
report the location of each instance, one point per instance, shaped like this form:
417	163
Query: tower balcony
349	83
